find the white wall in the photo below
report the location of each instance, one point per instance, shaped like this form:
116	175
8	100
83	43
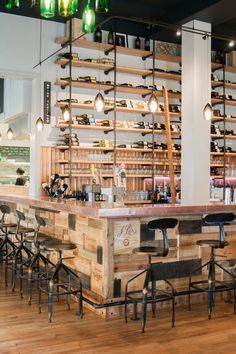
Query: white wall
19	43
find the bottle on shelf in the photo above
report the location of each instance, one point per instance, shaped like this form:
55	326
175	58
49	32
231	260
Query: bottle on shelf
147	44
98	35
138	42
110	37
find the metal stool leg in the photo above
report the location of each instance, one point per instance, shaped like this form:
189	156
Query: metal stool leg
50	301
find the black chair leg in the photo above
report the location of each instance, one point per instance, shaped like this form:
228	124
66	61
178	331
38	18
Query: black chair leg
144	310
153	298
135	311
50	301
173	311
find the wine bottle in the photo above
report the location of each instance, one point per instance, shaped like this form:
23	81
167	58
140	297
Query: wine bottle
147	44
98	35
110	37
138	42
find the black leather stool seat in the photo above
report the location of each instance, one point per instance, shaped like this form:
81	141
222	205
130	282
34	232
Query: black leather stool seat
212	243
148	250
6	225
61	246
215	219
25	230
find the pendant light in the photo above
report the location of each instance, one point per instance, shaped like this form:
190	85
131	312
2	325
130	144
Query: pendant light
65	8
208	112
99	102
75	6
66	113
88	18
39	124
101	6
153	103
12	4
47	8
9	134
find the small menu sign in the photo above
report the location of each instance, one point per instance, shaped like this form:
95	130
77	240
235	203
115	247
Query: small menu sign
47	102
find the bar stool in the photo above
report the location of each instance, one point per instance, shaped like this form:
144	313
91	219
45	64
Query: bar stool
5	241
150	295
37	264
213	285
15	258
60	282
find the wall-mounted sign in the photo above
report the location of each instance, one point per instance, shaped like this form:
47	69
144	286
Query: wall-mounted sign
47	102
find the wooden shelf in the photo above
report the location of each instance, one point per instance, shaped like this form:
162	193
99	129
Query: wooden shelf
107	162
216	101
63	147
221	136
122	89
119	69
84	43
118	109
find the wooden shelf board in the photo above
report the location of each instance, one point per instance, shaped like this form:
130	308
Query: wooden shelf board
84	43
63	147
107	162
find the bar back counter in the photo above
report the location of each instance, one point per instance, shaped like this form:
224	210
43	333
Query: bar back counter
106	234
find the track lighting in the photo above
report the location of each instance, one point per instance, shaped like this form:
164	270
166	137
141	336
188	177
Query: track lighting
99	102
66	113
9	134
88	18
39	124
207	112
152	103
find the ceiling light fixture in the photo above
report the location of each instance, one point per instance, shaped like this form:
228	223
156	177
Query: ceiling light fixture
12	4
99	102
39	124
208	111
178	33
47	8
88	18
231	44
9	134
101	6
153	103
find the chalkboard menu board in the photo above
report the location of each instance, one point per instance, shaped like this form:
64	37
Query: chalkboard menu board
17	153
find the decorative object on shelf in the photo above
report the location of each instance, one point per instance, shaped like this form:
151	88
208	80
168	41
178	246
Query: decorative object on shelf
88	18
208	112
9	134
153	103
39	124
101	6
137	42
98	35
47	8
120	40
99	102
110	37
12	4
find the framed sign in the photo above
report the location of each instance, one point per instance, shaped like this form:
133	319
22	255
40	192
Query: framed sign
47	102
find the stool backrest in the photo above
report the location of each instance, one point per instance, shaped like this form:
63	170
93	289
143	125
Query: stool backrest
40	222
219	219
163	225
5	209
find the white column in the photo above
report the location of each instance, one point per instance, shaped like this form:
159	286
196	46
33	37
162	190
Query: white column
196	93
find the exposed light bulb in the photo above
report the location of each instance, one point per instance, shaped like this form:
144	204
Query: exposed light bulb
178	32
39	124
153	103
207	112
9	134
88	18
231	44
66	113
99	102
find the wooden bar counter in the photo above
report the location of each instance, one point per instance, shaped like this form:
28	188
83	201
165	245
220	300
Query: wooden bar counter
106	234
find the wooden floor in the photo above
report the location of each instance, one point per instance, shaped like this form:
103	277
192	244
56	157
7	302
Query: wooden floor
23	330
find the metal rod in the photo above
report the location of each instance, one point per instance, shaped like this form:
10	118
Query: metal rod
153	118
70	115
115	78
224	126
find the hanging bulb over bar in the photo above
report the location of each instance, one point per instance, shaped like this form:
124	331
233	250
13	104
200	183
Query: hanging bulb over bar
153	103
9	134
47	8
39	124
65	8
208	112
99	102
88	18
12	4
66	113
102	6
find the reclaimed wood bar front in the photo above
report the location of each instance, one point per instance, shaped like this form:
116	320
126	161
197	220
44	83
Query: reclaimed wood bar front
106	234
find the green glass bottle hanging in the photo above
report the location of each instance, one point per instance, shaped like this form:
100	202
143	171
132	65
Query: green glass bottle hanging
47	8
75	7
12	4
101	6
65	8
88	18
